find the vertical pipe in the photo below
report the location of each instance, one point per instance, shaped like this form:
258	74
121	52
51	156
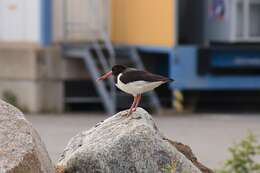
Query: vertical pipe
46	22
175	14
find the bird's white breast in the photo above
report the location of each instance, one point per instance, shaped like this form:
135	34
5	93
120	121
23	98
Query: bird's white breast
137	87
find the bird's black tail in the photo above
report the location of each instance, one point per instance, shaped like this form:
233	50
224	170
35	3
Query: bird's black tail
170	80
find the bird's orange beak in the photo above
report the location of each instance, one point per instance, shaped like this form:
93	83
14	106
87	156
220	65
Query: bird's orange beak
105	76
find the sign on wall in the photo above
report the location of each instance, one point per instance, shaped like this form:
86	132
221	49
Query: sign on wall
217	9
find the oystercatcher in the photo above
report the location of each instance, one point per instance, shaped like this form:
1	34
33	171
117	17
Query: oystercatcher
134	82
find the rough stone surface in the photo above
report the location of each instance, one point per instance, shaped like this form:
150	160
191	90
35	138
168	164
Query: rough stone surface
21	149
123	144
186	150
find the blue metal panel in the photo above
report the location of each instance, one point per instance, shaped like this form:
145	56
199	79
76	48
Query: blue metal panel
46	22
162	50
183	68
235	58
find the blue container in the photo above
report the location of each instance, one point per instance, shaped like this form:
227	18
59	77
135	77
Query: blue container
188	69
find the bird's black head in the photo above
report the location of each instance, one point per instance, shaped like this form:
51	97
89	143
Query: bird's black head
117	69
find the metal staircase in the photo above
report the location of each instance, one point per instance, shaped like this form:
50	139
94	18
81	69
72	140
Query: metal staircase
99	57
96	66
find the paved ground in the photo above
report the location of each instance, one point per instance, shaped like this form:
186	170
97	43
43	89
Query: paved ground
209	135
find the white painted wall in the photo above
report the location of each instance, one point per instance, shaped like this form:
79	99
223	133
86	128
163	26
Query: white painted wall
20	20
32	20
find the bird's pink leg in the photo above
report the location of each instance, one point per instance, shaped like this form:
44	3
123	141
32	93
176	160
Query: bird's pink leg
137	102
133	104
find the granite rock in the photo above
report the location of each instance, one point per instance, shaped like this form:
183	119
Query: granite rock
21	149
123	144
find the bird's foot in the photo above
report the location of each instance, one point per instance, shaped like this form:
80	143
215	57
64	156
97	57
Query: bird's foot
134	110
130	112
127	114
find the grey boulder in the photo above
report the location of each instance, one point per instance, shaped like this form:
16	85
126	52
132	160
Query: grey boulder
123	144
21	149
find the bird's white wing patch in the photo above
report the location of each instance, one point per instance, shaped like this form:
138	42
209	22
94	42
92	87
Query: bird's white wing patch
144	86
139	83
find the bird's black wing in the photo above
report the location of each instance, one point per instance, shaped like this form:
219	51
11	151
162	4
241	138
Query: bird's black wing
139	75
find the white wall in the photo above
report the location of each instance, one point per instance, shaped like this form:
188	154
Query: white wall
20	20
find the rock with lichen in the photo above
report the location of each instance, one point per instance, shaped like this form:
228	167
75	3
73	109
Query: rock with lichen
123	144
21	149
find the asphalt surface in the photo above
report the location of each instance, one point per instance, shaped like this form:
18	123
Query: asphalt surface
209	135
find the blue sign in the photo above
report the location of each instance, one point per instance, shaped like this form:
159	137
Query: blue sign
217	9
